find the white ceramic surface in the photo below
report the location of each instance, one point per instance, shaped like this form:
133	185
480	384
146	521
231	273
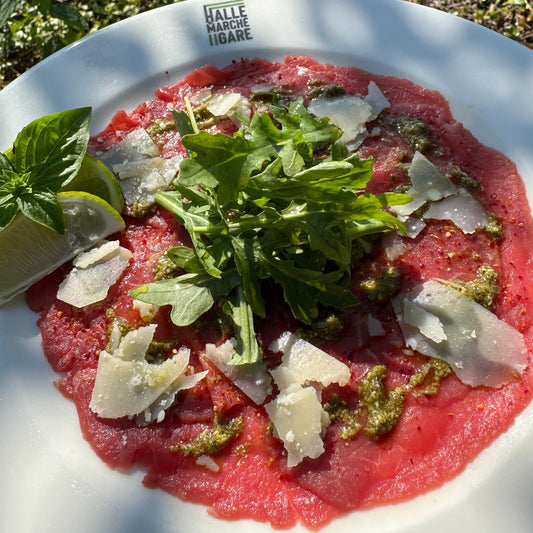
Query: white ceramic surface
50	480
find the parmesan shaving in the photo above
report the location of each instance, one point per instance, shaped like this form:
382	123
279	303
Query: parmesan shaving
141	179
376	99
296	412
375	327
140	170
427	184
93	274
439	321
305	364
136	145
252	379
349	113
465	211
229	105
127	385
299	421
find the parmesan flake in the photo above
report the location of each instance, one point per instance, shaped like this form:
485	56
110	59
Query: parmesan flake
94	272
127	385
439	321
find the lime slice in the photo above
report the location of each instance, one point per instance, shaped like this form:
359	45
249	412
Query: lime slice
96	178
29	251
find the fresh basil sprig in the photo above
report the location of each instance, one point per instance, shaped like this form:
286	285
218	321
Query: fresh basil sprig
46	155
261	205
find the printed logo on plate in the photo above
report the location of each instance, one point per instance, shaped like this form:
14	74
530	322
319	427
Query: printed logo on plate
227	22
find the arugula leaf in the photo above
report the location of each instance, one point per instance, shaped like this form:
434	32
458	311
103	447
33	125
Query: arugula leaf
190	295
261	204
185	258
237	308
46	155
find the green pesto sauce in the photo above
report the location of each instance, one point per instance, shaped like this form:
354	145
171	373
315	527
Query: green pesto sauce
437	370
213	439
323	330
349	420
277	95
463	178
322	89
494	230
416	134
483	289
384	287
157	350
384	410
160	126
140	208
204	118
165	268
123	325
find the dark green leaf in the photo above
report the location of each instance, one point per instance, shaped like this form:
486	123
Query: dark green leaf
44	6
183	123
68	14
7	8
51	148
223	162
303	289
185	258
247	350
5	163
8	210
247	265
190	295
44	208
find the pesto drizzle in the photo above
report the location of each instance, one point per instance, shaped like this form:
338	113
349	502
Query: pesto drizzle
213	439
383	409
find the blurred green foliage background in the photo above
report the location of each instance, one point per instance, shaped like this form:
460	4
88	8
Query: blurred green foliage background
31	30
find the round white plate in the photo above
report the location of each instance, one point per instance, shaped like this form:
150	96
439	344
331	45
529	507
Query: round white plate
50	480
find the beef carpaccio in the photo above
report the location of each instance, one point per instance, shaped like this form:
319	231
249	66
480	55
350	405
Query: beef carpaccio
404	420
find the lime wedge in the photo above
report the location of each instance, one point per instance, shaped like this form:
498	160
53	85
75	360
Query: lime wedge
96	178
29	251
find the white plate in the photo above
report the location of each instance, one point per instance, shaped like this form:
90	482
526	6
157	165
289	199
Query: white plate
50	480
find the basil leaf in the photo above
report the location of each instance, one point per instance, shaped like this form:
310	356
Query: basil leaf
8	210
5	163
44	208
11	182
51	148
